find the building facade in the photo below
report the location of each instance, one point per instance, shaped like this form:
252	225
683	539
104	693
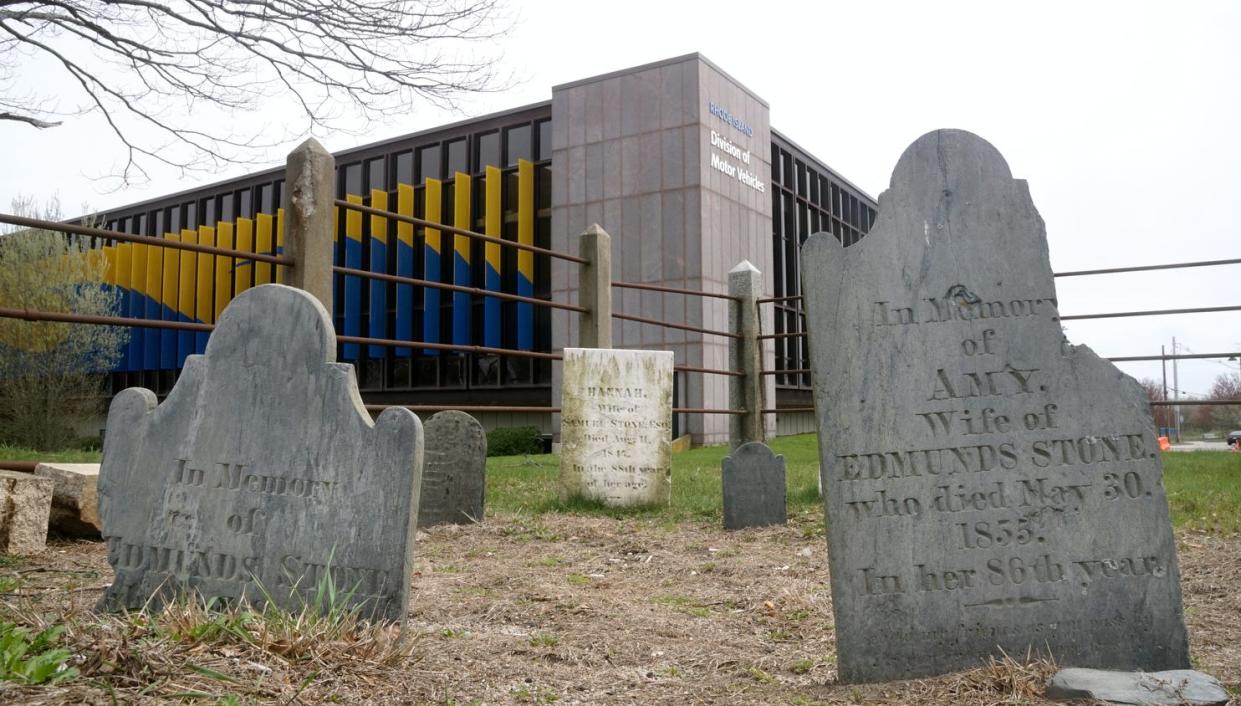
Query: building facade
675	159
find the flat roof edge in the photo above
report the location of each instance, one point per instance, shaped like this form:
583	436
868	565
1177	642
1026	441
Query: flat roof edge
821	163
658	64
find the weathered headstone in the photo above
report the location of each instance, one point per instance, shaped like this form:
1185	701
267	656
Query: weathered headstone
75	502
1176	687
25	502
454	471
754	487
616	426
261	475
988	485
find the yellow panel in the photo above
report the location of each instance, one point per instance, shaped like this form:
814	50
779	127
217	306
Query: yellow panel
109	272
433	211
280	269
353	219
491	219
245	243
124	258
223	269
405	207
155	274
187	277
172	259
525	217
379	224
461	216
262	270
204	309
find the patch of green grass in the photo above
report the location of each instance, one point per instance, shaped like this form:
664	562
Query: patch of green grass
447	569
801	666
549	561
1204	490
544	640
760	676
28	658
578	580
22	453
452	633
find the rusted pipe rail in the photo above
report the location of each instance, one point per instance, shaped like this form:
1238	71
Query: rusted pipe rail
70	318
708	371
669	324
1194	403
778	410
700	410
1170	356
370	210
462	408
143	239
673	290
1144	268
398	279
788	334
769	300
1153	312
797	371
419	345
20	466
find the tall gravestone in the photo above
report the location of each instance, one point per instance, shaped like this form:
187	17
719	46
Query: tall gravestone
616	426
988	485
754	487
454	472
261	475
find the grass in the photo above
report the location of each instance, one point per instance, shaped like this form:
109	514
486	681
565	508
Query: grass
1204	487
21	453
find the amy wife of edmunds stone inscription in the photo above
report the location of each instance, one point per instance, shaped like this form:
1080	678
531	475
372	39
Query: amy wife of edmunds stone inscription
989	487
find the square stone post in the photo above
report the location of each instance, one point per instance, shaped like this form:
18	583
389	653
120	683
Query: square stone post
595	288
309	196
745	283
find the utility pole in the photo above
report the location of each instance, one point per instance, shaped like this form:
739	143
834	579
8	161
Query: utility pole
1176	391
1163	361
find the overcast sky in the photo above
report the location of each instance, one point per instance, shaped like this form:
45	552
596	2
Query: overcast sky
1125	118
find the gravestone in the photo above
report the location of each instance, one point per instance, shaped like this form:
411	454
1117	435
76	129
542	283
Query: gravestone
616	426
25	503
75	503
988	485
754	487
454	471
261	474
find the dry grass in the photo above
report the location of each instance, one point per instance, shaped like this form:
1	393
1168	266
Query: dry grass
561	609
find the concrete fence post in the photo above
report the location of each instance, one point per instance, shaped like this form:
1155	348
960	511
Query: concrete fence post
595	288
745	283
309	193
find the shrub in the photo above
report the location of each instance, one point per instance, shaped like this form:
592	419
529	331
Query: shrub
514	441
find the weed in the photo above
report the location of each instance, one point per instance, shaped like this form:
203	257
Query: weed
448	569
9	584
760	676
801	666
550	561
544	640
33	659
578	580
797	616
782	635
452	633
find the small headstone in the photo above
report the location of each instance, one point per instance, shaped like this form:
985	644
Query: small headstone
754	487
616	426
990	488
1176	687
454	472
75	503
25	502
261	475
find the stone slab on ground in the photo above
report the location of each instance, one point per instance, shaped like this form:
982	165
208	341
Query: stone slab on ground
1176	687
75	500
754	487
454	471
25	504
616	426
990	488
261	474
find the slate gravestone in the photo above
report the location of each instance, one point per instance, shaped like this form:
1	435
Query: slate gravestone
988	485
454	471
754	487
261	474
616	426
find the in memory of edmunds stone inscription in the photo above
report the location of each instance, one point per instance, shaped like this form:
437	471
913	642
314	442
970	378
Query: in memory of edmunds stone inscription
261	475
616	426
988	485
454	471
754	487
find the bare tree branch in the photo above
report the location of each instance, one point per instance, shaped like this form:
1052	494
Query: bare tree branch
146	65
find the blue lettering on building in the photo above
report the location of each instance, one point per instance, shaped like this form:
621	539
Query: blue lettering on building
723	114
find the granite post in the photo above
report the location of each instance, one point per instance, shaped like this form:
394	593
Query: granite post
595	288
309	209
745	354
990	488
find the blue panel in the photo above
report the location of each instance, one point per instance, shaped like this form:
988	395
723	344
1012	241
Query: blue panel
353	297
525	315
379	296
460	302
491	308
404	298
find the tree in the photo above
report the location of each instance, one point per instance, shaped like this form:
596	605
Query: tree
146	65
1226	387
1154	392
51	374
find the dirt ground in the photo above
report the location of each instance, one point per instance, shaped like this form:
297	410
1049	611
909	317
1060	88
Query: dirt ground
575	610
